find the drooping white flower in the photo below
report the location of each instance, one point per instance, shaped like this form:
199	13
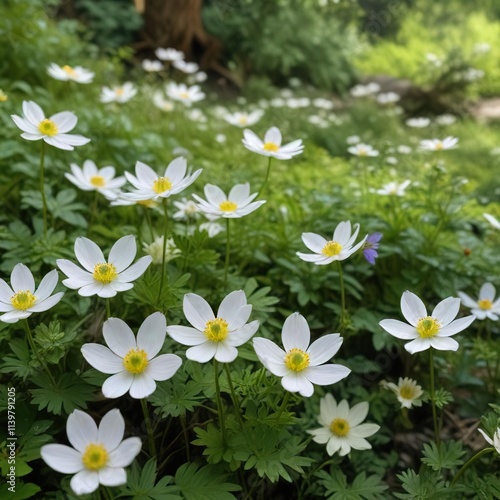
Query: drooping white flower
495	442
186	209
427	331
212	228
340	247
161	103
394	188
271	146
98	454
198	77
182	93
133	363
186	67
151	186
446	119
242	119
438	144
407	391
301	365
155	249
215	336
65	73
420	122
100	276
233	206
492	220
169	54
22	300
342	429
486	306
52	130
362	150
91	178
122	93
152	66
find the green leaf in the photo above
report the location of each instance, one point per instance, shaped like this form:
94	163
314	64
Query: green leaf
422	487
53	343
21	491
363	487
21	365
445	455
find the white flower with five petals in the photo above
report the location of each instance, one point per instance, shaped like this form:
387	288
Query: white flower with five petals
495	442
271	146
65	73
485	306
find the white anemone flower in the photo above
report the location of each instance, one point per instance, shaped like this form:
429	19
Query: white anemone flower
407	391
212	228
152	66
22	300
186	209
342	429
438	144
120	93
161	103
100	276
186	67
353	139
91	178
242	119
215	336
388	98
486	306
492	220
446	119
495	442
301	364
420	122
97	455
133	363
340	247
67	73
169	54
182	93
155	249
151	186
271	146
52	130
362	150
427	331
233	206
394	188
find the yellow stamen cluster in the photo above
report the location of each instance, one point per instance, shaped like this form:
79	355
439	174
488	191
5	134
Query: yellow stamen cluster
119	91
242	120
331	249
228	206
408	391
23	300
95	457
135	361
439	146
3	96
48	127
184	95
362	152
485	304
97	181
271	146
428	327
161	185
216	330
297	360
69	70
340	427
105	273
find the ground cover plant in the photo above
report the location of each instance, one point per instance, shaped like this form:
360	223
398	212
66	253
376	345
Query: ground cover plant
277	295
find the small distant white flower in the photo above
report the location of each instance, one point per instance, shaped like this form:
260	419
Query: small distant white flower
318	121
91	178
196	115
494	222
404	150
407	392
342	429
486	306
418	122
301	365
433	59
446	119
52	130
212	228
394	188
365	90
271	146
22	300
169	54
323	103
122	93
152	66
427	331
233	206
186	67
66	73
242	119
481	48
199	77
186	209
151	186
98	454
161	103
155	249
215	337
134	363
182	93
391	160
353	139
388	98
495	442
100	276
298	102
362	150
473	74
438	144
221	138
277	102
340	247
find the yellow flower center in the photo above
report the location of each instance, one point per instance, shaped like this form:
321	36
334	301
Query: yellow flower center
243	120
105	273
3	96
184	95
69	70
97	181
362	152
271	146
147	203
216	330
428	327
228	206
95	457
485	304
340	427
331	249
23	300
408	391
296	360
439	146
119	91
135	361
162	184
48	127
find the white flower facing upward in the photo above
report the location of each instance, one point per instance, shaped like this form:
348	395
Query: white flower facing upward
407	391
186	67
271	146
169	54
235	205
120	93
65	73
151	186
495	442
427	331
52	130
241	119
394	188
182	93
97	455
152	66
91	178
133	363
215	336
492	220
22	300
100	276
340	247
485	306
363	150
438	144
420	122
299	364
342	429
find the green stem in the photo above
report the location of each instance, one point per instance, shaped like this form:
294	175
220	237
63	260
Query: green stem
265	179
469	463
164	254
186	436
150	225
42	188
219	403
92	213
226	263
108	308
342	297
151	440
433	396
283	405
233	394
36	353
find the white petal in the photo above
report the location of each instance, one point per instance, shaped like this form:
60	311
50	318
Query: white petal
239	193
487	292
152	333
176	170
117	385
214	194
65	121
124	455
81	430
446	311
358	413
47	285
164	366
225	353
85	481
364	430
342	233
326	374
296	382
112	476
357	443
323	349
14	316
93	288
123	253
54	141
146	175
142	386
111	429
186	335
62	458
102	358
466	300
417	345
295	333
202	353
21	279
412	308
6	292
456	326
135	270
444	344
317	259
118	336
235	310
88	253
314	242
243	334
265	348
399	329
72	271
33	112
273	135
197	310
46	304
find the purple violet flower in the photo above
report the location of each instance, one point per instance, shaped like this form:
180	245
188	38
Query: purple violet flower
370	247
